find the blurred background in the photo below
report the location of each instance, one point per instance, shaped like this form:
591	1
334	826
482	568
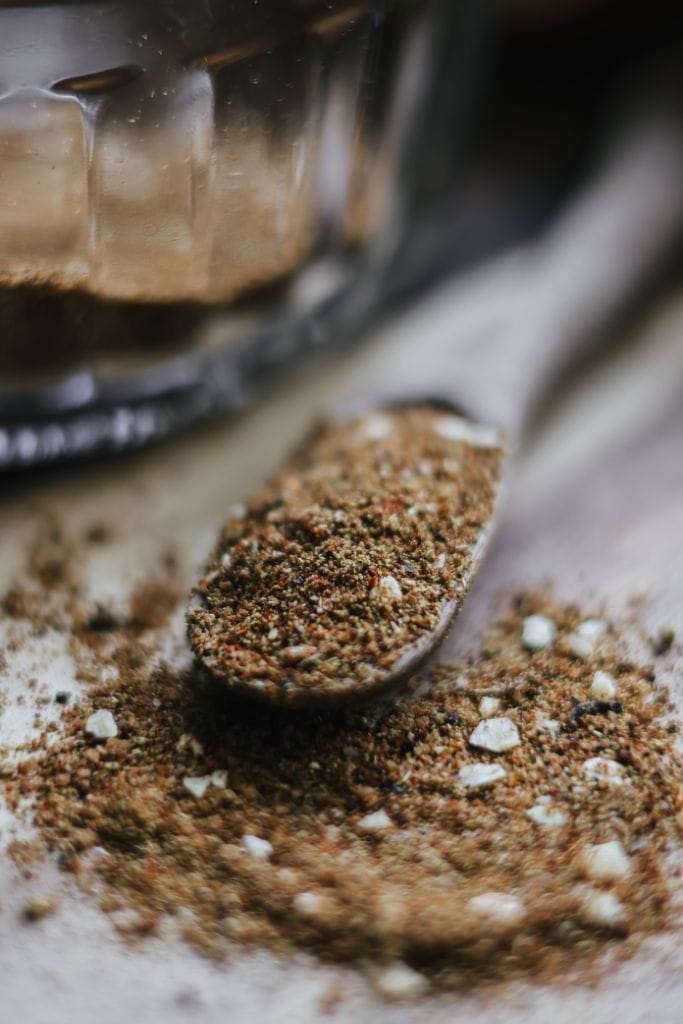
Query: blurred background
554	81
197	196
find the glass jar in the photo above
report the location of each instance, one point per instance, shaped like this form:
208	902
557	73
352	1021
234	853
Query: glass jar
191	193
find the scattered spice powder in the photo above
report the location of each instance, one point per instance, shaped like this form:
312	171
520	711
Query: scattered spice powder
379	835
352	560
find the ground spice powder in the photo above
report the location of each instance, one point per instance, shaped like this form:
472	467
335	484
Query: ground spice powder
392	836
355	554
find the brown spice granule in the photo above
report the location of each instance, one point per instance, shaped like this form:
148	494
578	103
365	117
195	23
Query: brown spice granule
351	833
38	907
355	555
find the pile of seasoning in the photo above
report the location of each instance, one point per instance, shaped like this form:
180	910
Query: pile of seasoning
354	556
508	816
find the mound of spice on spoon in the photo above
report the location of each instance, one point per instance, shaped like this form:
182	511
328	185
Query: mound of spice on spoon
351	561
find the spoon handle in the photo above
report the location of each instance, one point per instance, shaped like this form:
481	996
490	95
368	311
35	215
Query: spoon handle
605	246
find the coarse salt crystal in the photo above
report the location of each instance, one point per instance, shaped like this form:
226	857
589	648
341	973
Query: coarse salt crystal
376	427
583	641
101	725
602	909
399	981
606	862
498	908
308	904
488	706
545	816
604	686
538	632
440	561
496	734
219	779
389	587
549	725
226	560
579	646
602	769
298	652
455	428
197	785
379	821
256	847
592	629
186	740
273	633
480	774
287	876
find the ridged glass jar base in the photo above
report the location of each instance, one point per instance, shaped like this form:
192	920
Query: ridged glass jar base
191	188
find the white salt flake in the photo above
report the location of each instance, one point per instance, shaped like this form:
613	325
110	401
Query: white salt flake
606	862
197	785
545	816
498	908
496	734
440	561
538	632
389	587
455	428
308	904
583	641
549	725
376	427
480	774
101	725
592	629
398	981
604	686
226	560
219	779
579	646
488	706
256	847
272	633
298	652
602	909
603	769
379	821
